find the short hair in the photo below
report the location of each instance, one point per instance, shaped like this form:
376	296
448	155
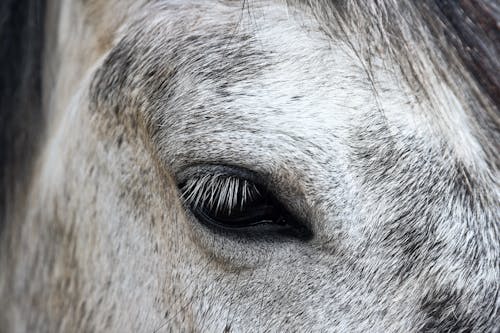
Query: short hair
460	41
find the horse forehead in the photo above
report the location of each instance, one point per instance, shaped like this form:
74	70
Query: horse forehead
284	88
266	73
305	84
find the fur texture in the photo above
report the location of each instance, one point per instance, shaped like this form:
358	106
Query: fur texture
356	116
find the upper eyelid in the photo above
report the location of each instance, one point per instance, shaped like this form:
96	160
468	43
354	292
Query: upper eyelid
199	170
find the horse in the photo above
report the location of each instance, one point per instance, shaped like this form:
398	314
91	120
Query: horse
249	166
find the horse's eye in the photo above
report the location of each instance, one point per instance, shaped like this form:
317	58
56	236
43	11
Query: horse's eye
228	201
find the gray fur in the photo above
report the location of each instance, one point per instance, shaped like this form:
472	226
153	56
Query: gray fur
346	111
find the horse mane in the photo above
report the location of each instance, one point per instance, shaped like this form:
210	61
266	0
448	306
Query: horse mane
21	120
475	24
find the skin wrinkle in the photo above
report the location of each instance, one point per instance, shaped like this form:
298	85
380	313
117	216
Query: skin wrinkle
355	128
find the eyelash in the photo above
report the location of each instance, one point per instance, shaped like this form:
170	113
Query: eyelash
219	193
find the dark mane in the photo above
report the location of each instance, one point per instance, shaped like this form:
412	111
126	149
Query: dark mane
21	36
475	25
473	30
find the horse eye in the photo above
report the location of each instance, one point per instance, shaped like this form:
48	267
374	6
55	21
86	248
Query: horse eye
226	201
